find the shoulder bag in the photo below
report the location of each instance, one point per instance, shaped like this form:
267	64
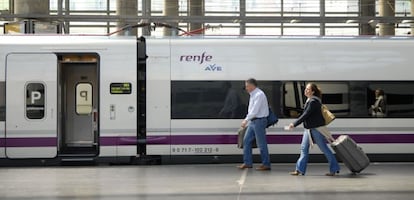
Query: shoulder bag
327	115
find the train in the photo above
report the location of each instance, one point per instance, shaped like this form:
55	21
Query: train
106	98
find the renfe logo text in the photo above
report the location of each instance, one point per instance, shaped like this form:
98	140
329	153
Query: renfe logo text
196	58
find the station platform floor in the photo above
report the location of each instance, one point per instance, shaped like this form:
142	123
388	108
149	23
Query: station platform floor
380	181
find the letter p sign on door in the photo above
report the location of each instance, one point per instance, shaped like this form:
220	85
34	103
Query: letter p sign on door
36	95
35	100
84	99
84	94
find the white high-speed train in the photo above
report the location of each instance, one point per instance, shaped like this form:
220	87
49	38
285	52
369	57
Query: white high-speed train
94	98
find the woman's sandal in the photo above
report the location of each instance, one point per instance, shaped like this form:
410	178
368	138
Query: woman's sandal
296	173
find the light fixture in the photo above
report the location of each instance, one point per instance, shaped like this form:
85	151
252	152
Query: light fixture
350	21
373	23
407	21
294	21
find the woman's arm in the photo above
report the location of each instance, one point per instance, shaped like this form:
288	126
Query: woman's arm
312	107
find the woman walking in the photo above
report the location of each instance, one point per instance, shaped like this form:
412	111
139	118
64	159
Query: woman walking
313	120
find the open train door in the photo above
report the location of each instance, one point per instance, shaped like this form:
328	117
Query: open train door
31	111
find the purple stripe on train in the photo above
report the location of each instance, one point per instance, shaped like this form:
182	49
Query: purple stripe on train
203	139
52	142
28	142
118	141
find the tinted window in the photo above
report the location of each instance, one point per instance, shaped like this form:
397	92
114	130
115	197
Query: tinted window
398	98
335	96
2	101
207	99
332	98
35	101
216	99
227	99
355	98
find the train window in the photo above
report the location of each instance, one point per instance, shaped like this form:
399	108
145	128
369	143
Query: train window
35	100
335	96
84	98
356	99
216	99
346	99
293	98
2	101
390	99
207	99
332	98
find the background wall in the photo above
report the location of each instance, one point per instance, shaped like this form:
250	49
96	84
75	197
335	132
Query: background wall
223	17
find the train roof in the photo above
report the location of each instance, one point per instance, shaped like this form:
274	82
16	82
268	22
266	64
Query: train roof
285	37
50	38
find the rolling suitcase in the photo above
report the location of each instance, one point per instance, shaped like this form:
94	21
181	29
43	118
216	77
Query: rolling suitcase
350	153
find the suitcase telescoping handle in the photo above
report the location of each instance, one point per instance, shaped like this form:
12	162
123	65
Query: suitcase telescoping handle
326	133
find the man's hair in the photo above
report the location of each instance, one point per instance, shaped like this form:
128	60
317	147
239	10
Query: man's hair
252	81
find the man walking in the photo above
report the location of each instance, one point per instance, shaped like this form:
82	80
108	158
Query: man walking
256	121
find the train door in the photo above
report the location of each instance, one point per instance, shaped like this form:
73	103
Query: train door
31	117
78	97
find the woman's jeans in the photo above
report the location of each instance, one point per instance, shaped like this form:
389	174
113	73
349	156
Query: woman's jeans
256	129
320	140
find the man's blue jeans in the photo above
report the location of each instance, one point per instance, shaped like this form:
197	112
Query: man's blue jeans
257	128
320	140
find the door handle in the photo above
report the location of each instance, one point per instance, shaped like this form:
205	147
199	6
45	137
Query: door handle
95	119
